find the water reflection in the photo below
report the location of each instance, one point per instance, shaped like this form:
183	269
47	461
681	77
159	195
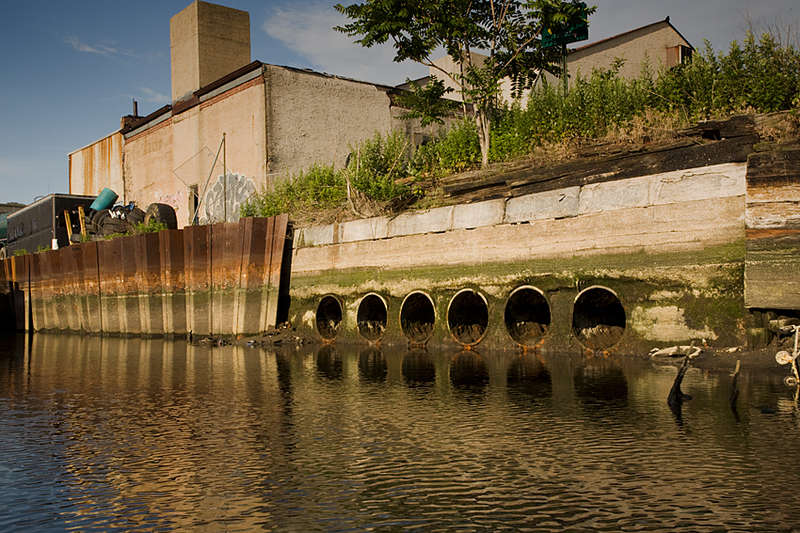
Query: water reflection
372	365
329	362
418	368
148	434
600	384
468	370
528	375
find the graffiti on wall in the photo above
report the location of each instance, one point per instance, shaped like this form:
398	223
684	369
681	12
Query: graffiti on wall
224	197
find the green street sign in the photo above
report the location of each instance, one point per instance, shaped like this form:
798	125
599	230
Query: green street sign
558	36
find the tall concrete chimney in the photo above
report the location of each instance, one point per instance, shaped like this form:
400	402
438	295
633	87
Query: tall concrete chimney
207	41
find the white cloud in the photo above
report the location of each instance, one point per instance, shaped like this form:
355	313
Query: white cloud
153	97
308	31
99	49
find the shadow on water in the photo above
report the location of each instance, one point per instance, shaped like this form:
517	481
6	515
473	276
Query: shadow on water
529	377
329	362
468	370
601	385
419	368
372	365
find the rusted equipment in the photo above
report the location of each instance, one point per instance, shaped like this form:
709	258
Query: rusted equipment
69	226
82	221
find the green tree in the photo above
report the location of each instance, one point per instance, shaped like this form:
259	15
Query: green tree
508	32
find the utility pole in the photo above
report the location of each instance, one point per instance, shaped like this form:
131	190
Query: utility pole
224	178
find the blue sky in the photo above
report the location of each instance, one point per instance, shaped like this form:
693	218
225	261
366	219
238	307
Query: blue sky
70	68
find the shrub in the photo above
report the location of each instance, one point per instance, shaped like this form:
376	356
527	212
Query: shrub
320	186
376	164
154	226
455	150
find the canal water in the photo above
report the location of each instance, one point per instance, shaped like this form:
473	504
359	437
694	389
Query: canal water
151	434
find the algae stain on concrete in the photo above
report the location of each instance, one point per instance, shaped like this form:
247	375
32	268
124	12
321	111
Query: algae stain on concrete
666	324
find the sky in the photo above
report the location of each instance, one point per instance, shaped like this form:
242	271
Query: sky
70	68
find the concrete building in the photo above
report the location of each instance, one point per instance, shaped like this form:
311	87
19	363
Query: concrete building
276	121
658	45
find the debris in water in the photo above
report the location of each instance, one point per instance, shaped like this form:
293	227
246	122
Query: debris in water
690	351
676	396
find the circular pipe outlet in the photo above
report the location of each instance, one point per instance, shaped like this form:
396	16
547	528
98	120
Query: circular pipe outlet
598	318
527	315
371	317
468	317
329	317
417	317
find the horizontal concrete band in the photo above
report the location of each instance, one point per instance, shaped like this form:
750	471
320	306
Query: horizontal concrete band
659	228
706	183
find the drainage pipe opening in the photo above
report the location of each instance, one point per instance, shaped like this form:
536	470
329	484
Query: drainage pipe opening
329	317
527	315
371	317
468	316
598	318
417	317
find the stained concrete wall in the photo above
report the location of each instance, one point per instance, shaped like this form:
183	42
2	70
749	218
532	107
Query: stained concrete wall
96	166
772	269
162	161
315	118
217	279
671	245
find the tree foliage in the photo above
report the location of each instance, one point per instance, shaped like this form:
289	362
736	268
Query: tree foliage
508	32
427	102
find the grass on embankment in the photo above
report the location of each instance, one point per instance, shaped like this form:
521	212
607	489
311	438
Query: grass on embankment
386	174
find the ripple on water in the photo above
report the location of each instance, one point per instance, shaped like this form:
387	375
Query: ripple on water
148	434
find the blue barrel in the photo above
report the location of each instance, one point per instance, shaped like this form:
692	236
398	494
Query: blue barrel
104	200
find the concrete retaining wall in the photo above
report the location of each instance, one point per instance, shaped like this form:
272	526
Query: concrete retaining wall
670	245
699	184
218	279
772	272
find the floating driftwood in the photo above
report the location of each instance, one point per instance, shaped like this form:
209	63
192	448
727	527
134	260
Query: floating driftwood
690	351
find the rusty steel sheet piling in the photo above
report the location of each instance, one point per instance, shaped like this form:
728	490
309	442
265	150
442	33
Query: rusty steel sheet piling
20	276
226	266
251	281
6	296
70	292
148	283
220	279
275	261
129	288
37	304
173	284
197	255
109	268
93	322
